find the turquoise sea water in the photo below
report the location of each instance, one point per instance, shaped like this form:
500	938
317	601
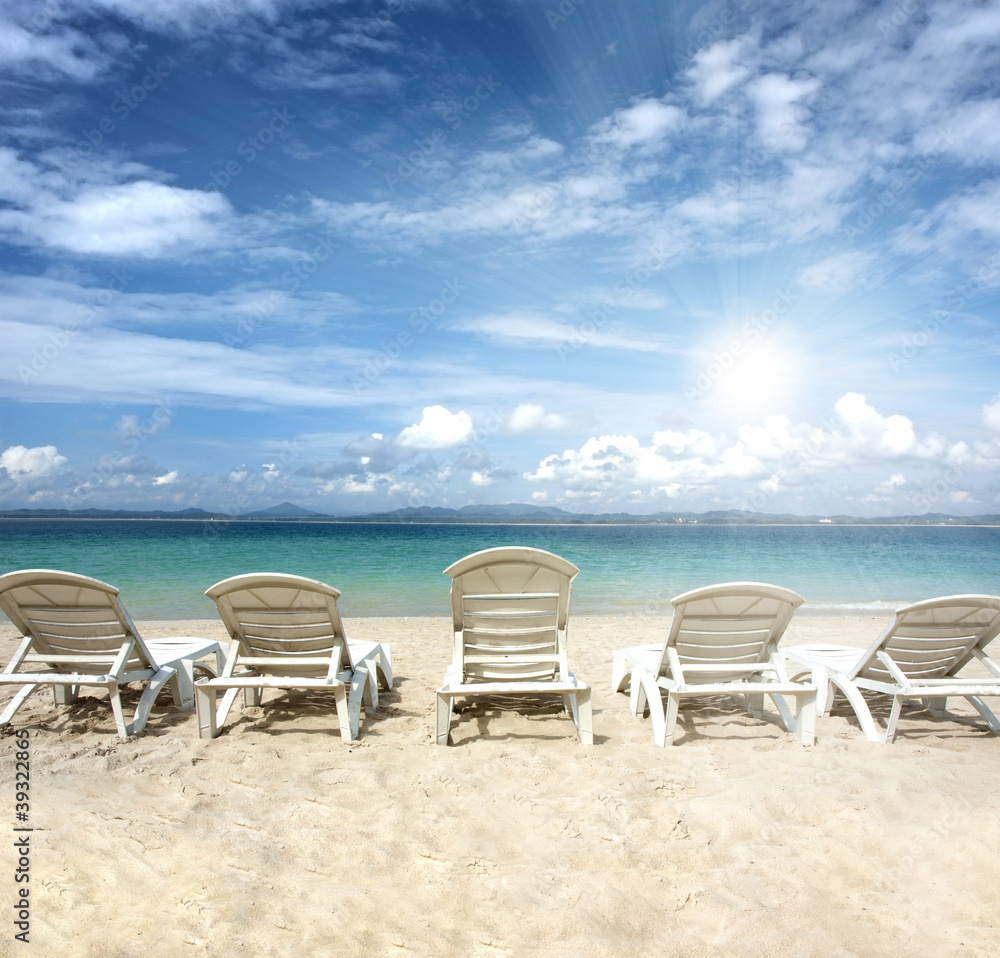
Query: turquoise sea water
164	567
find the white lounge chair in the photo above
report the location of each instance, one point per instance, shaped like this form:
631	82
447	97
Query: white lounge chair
286	634
722	640
917	656
76	633
510	608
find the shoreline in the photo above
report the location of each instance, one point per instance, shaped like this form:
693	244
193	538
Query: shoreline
956	523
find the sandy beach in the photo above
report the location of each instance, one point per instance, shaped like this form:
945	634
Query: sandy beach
278	838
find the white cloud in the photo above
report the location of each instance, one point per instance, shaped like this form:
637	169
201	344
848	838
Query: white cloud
777	455
694	442
894	482
167	479
886	490
600	464
189	16
531	417
775	438
43	35
991	413
237	311
892	435
780	111
50	50
975	210
630	298
644	124
142	219
836	273
108	364
526	328
130	429
354	487
951	223
25	465
531	150
972	133
584	191
610	465
438	429
539	148
102	206
553	209
716	69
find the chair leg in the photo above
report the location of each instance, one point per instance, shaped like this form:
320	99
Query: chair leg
805	717
64	695
977	703
204	702
755	705
185	684
444	705
153	686
381	668
653	696
619	670
114	691
781	704
890	729
824	700
860	706
359	683
820	677
583	716
177	691
15	703
670	719
937	706
229	697
210	718
370	697
348	731
824	691
637	697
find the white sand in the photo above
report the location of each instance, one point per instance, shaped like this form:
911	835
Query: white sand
277	838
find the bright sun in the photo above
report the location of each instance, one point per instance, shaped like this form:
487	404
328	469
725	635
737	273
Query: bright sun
756	381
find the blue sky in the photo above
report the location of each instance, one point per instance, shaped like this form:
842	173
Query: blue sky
594	254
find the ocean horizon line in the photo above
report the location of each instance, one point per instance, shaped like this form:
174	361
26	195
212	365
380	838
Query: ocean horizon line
433	516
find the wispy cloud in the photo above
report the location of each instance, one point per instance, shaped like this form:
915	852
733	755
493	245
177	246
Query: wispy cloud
532	329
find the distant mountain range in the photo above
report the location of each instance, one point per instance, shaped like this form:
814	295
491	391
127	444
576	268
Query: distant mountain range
287	510
110	514
510	512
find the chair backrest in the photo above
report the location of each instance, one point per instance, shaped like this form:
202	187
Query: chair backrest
510	608
736	623
69	614
281	618
934	638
